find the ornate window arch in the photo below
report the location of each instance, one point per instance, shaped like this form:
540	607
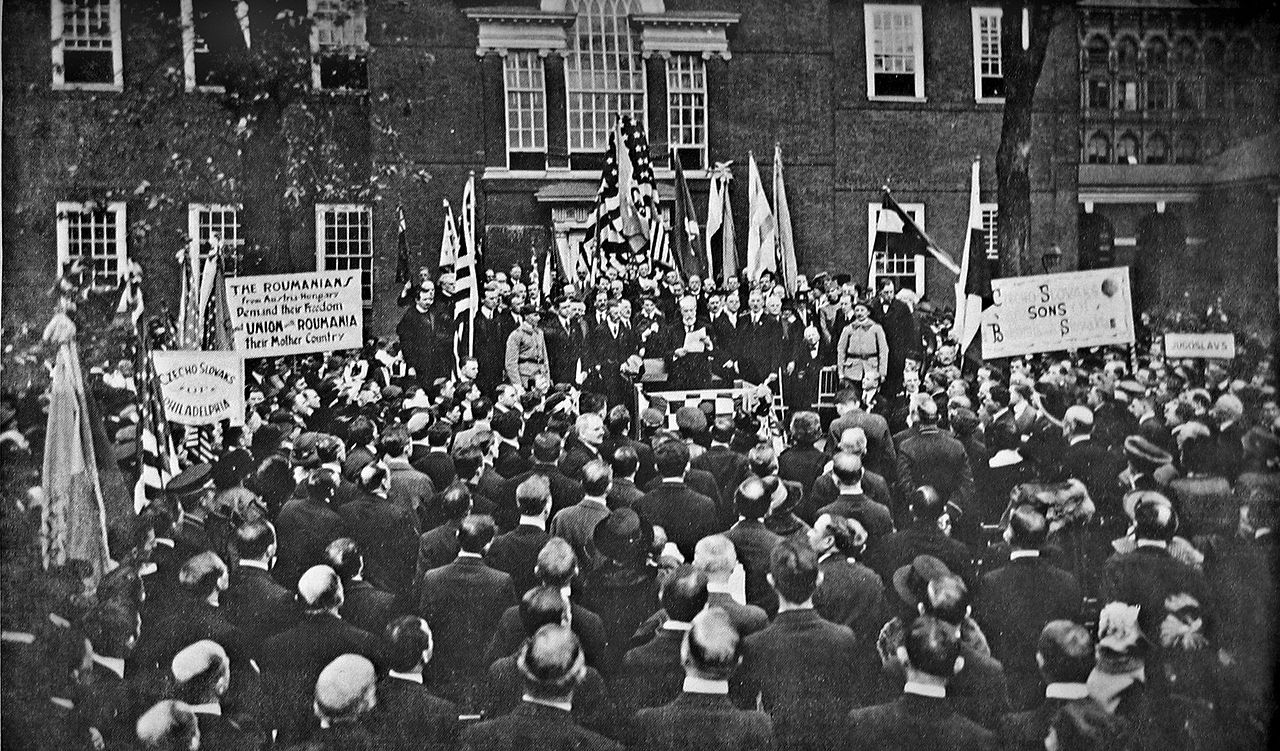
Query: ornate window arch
1098	149
1097	52
1128	149
1156	53
1157	151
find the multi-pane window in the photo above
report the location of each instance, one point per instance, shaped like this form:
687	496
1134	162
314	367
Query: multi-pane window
1157	93
87	51
687	109
1157	149
526	110
1128	150
339	44
1127	94
93	233
988	75
211	226
895	51
906	269
990	241
213	36
1098	93
344	241
604	76
1098	149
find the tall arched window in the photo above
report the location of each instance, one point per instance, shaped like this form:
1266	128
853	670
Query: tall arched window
1097	52
1157	53
604	75
1098	150
1127	54
1157	149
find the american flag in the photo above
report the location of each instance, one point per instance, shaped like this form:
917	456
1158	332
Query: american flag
157	459
204	442
466	291
627	226
190	321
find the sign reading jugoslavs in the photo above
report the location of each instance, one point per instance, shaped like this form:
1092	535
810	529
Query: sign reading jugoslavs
1052	312
292	314
1197	346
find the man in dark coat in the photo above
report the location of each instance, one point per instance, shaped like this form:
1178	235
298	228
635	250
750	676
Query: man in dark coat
880	454
1016	601
436	463
516	552
463	602
201	676
701	716
363	605
193	614
423	340
921	719
759	342
853	503
934	458
306	525
565	335
608	347
900	331
553	666
754	542
490	340
685	515
385	531
1085	459
623	492
716	557
850	594
583	445
577	523
255	603
439	547
729	468
687	348
565	491
924	536
651	673
826	488
801	462
802	669
408	716
1064	652
623	589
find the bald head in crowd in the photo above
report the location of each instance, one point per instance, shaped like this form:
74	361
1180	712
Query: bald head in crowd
320	589
169	726
710	650
345	690
201	672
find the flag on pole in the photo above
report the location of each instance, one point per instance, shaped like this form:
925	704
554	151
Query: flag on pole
685	236
548	275
720	239
73	518
762	242
786	262
450	241
973	288
466	290
469	215
898	234
402	246
204	443
190	320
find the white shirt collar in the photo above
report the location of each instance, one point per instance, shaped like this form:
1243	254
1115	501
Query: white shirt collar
925	689
213	708
602	501
724	587
676	625
695	685
1078	439
567	706
1024	554
465	554
114	664
251	563
1153	544
1070	691
1005	458
411	677
533	521
165	541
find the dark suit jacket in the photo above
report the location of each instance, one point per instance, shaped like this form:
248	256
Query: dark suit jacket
703	483
586	624
624	493
386	533
874	517
303	529
693	370
565	492
257	605
408	718
564	346
729	469
534	726
932	457
516	553
914	723
575	525
438	466
410	489
576	456
724	333
593	706
901	547
825	490
1146	577
436	548
1091	463
753	543
463	602
805	670
623	597
186	621
850	595
882	455
686	516
761	359
651	674
367	607
1013	605
707	722
802	464
1025	731
291	662
510	462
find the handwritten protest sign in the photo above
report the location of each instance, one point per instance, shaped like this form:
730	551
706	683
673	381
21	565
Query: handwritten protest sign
201	388
1051	312
290	314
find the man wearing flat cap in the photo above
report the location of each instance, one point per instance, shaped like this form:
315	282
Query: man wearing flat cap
194	491
553	666
202	676
1144	458
702	716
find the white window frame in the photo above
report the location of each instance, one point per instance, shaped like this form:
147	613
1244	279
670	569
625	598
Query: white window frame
537	69
189	43
194	210
313	11
674	74
868	16
978	15
574	53
990	213
64	208
367	210
916	262
57	8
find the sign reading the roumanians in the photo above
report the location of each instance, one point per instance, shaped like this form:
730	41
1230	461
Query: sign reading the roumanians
1052	312
1187	346
292	314
201	388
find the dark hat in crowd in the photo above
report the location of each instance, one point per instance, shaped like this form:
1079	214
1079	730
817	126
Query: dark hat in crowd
281	417
911	582
266	440
193	479
232	468
622	535
690	420
1262	443
304	451
1137	447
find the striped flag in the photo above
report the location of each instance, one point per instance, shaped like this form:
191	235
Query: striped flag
686	237
190	321
720	240
762	242
157	458
466	288
973	288
786	260
204	443
450	242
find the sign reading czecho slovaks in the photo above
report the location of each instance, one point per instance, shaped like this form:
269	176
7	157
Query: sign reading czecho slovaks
201	388
1052	312
293	314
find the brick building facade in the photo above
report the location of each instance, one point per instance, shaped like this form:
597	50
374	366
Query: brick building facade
411	97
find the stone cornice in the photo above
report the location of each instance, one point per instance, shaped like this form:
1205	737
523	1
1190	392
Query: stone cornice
514	28
705	32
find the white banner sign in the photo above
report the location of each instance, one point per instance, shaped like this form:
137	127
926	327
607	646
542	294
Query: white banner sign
1215	346
291	314
1051	312
201	388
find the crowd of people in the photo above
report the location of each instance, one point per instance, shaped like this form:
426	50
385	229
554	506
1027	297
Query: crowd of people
399	550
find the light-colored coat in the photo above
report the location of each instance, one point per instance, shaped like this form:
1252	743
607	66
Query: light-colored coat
862	347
